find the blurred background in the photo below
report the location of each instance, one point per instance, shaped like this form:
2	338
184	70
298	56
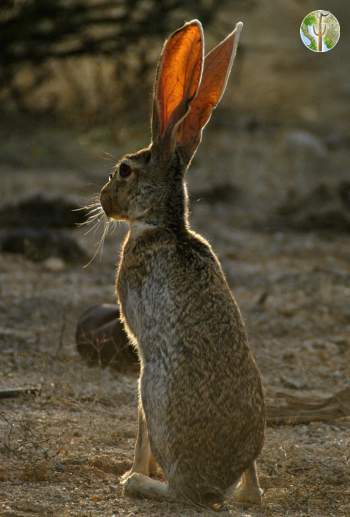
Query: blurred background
269	187
75	88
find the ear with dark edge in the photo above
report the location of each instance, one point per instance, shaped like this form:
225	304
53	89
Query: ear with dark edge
178	77
217	67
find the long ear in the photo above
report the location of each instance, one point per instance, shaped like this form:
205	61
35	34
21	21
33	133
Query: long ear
178	77
217	67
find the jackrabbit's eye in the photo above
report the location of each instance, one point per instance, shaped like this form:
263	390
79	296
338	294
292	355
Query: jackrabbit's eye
110	177
124	170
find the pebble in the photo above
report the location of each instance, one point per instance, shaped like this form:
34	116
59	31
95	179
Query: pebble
59	467
54	264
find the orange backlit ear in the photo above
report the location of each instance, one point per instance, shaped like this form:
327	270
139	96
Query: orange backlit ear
217	67
178	78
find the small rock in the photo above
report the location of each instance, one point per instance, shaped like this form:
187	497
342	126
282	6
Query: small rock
54	264
59	467
303	429
304	141
293	382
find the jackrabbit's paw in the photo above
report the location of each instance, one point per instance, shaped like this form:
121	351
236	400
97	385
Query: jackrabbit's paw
138	485
123	478
245	495
133	483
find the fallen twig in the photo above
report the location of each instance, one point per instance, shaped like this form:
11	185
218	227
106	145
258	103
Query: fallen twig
283	408
6	393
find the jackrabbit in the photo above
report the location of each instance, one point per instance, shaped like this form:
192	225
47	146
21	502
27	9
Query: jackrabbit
201	410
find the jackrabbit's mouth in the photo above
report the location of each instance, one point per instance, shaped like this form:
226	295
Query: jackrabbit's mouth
111	214
106	203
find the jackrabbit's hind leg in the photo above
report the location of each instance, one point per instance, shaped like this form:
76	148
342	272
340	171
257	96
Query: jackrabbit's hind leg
138	485
248	490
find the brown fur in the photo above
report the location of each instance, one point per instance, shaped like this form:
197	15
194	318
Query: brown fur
201	410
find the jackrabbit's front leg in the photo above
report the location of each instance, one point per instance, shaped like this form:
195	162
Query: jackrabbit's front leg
136	481
248	490
144	462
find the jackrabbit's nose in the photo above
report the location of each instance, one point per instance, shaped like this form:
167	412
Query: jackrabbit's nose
106	202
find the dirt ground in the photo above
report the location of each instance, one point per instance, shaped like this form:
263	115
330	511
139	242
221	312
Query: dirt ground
62	451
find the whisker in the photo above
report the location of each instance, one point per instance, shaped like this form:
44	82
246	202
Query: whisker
89	208
94	227
95	212
114	225
91	218
95	218
95	202
99	248
86	207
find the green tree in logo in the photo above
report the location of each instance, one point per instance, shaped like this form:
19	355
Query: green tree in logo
333	32
309	21
321	29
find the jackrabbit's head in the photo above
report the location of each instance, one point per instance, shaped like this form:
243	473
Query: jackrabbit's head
148	186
